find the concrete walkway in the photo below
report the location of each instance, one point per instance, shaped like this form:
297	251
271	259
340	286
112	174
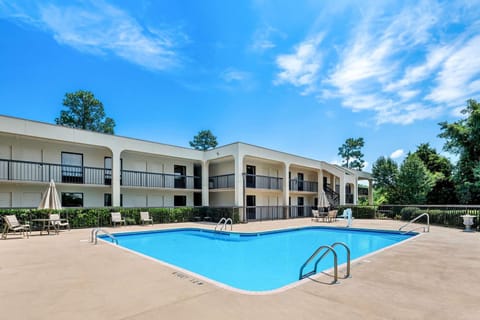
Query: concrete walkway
434	276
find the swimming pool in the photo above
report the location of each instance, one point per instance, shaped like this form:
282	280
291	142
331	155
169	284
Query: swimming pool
253	261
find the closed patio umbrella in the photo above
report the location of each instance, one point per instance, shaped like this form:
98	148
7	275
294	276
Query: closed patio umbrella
323	201
50	198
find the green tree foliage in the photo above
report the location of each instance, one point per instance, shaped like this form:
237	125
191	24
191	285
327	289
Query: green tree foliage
85	112
414	182
463	139
385	172
443	191
351	153
204	140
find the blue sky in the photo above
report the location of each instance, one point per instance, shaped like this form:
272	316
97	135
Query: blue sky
296	76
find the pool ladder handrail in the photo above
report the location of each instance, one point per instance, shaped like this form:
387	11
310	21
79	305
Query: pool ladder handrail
329	248
425	229
95	231
224	225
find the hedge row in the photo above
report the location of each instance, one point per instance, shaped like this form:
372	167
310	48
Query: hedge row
100	217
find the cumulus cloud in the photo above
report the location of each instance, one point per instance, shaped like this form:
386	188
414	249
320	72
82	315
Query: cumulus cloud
397	154
403	67
99	28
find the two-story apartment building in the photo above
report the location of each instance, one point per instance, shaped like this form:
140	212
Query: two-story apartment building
99	170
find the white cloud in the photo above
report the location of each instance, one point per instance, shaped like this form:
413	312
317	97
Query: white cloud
99	28
397	154
232	75
404	67
263	39
301	67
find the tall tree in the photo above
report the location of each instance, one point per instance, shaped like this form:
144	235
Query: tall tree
351	153
385	173
443	191
463	139
85	112
204	140
414	181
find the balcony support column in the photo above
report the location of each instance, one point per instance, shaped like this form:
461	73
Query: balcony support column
205	178
116	173
239	185
286	190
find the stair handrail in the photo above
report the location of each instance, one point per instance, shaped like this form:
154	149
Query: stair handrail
343	244
314	271
425	229
219	222
95	231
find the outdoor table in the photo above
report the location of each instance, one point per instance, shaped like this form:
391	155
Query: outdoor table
46	224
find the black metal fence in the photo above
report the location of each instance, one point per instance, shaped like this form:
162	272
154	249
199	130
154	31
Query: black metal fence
159	180
16	170
299	185
226	181
263	182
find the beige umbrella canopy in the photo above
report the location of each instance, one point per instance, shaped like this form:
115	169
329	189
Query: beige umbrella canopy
323	200
50	199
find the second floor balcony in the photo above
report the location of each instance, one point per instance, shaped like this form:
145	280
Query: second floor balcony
226	181
263	182
303	186
159	180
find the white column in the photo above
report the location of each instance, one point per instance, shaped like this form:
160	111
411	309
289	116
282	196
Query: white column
286	190
239	184
116	177
205	178
342	189
370	193
320	184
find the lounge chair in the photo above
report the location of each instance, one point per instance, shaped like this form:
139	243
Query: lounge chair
117	219
57	222
315	214
11	223
145	217
332	215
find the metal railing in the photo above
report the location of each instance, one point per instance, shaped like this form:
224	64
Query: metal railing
17	170
95	231
132	178
263	182
226	181
223	226
301	185
425	229
335	261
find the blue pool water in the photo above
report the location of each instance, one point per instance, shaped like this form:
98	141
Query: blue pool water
253	262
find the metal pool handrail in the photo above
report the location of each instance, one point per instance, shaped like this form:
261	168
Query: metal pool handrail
224	226
425	229
314	271
93	235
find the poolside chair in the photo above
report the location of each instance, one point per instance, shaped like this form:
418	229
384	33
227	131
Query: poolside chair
315	214
145	217
56	222
332	215
11	223
117	219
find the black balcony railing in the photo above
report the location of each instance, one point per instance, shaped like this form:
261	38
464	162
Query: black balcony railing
159	180
263	182
226	181
300	185
16	170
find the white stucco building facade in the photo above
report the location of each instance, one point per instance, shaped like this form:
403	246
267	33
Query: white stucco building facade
96	170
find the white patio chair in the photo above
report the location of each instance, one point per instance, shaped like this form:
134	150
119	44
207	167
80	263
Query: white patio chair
145	217
11	223
117	219
57	222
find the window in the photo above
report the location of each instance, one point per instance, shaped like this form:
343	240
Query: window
108	170
72	199
251	209
107	199
251	181
180	201
197	199
72	167
180	173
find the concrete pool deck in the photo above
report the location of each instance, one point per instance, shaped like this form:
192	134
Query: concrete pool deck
434	276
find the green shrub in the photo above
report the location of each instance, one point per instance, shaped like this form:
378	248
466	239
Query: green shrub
408	213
